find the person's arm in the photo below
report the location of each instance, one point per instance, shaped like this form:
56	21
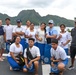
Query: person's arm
56	60
66	42
51	36
20	33
14	32
4	36
28	36
52	58
37	37
26	62
33	60
12	55
68	36
59	37
54	34
36	59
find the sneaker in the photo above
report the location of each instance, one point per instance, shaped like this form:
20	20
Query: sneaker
71	67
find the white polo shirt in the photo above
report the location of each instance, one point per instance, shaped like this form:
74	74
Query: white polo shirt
65	37
34	51
59	53
8	30
19	29
16	50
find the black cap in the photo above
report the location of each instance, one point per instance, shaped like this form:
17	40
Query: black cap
18	20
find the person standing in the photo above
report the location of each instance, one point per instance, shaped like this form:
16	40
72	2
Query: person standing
8	33
40	36
27	27
31	33
64	38
1	40
73	47
19	31
51	33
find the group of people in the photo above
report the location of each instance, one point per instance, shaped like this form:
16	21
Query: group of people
37	40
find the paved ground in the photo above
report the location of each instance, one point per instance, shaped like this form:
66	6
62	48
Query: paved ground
4	70
66	72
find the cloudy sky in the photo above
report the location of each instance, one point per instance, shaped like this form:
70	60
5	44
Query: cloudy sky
62	8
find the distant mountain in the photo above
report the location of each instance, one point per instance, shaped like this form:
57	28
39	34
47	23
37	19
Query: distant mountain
34	17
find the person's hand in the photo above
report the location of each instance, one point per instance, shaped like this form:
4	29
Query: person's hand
47	36
60	36
53	60
27	66
52	64
30	63
64	44
17	61
40	39
30	35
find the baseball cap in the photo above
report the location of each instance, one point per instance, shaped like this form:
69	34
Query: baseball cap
18	20
51	21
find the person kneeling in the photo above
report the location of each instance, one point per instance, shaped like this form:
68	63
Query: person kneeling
59	58
32	57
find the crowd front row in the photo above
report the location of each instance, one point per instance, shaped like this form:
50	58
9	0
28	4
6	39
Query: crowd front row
58	56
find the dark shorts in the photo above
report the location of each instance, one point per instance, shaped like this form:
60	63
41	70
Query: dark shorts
72	51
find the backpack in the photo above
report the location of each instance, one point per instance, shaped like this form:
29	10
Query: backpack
20	58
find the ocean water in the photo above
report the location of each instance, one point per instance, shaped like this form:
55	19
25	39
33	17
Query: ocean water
56	27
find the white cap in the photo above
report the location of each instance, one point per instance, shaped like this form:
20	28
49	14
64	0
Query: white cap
51	21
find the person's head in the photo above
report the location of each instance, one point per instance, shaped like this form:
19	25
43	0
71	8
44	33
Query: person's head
51	23
28	23
31	42
43	25
7	20
62	27
17	39
54	43
19	22
32	26
0	22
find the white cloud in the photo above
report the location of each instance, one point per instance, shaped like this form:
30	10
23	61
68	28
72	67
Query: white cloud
63	8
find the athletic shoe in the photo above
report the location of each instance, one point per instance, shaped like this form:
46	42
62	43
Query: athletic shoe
71	67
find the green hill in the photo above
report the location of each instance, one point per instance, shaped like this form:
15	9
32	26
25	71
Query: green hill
34	17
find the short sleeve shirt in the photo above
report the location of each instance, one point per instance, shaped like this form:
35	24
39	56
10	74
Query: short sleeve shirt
34	51
8	30
19	29
51	31
59	53
16	50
